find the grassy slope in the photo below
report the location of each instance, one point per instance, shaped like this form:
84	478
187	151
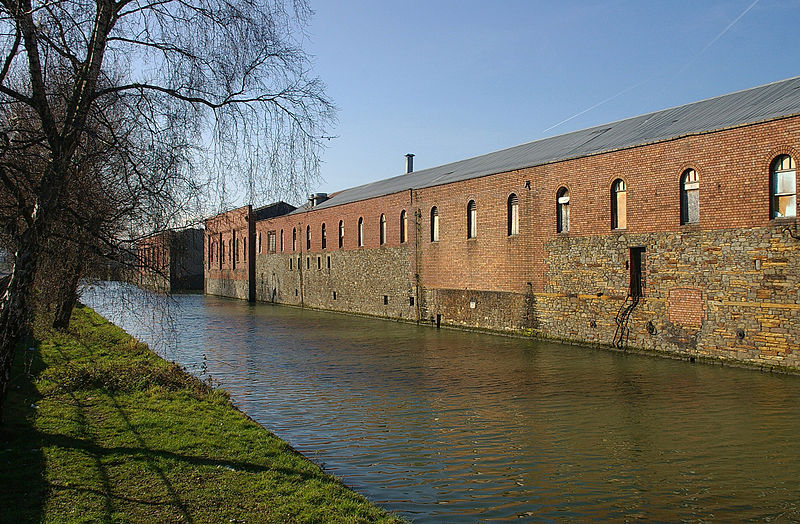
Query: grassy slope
101	429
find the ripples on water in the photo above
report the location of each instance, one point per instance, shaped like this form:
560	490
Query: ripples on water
452	426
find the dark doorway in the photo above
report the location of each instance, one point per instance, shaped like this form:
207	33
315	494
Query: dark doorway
638	267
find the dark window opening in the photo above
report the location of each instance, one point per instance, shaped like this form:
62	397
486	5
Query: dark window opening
638	268
334	295
329	261
410	301
385	299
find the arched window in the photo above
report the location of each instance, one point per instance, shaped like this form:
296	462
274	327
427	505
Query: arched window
341	234
308	238
513	215
562	210
323	237
294	239
690	197
360	231
434	224
383	229
472	219
403	226
281	240
783	187
619	205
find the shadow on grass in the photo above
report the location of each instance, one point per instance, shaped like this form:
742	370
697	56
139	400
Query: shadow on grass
22	465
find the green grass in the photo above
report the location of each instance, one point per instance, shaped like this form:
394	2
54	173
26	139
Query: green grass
99	429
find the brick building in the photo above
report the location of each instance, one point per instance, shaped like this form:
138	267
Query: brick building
171	260
673	231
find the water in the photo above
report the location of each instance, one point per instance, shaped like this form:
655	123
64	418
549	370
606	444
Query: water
451	426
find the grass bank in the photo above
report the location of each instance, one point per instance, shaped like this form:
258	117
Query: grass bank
99	428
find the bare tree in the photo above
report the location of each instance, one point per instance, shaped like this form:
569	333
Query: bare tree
144	103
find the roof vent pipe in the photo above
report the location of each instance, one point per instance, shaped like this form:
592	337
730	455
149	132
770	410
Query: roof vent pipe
409	163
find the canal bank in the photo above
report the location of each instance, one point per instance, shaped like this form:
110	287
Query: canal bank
99	428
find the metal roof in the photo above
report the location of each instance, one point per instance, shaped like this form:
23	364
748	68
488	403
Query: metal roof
757	104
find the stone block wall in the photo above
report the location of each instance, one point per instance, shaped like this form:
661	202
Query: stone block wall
730	293
366	281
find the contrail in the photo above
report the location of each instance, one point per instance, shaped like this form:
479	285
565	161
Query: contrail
727	28
629	88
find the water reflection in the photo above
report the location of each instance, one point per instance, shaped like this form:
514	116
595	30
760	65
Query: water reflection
444	425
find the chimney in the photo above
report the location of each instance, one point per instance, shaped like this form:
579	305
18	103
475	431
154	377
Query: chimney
409	162
317	198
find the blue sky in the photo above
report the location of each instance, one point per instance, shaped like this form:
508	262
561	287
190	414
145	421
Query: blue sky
448	80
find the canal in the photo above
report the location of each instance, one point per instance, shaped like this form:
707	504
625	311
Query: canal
453	426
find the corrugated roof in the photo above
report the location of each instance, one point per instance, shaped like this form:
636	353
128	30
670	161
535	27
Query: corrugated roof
767	102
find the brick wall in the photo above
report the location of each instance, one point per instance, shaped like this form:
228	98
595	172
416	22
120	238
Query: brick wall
227	254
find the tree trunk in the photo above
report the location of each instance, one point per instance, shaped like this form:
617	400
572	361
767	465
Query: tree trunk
16	308
67	298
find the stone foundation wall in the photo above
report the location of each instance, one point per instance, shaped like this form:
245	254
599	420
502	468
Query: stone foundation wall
227	287
732	294
367	281
492	310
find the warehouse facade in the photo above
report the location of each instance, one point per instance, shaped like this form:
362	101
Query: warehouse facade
674	231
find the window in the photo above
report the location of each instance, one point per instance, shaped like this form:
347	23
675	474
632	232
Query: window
258	242
281	240
619	205
434	224
328	260
783	187
341	234
403	226
244	249
360	232
513	215
383	229
308	238
562	210
294	239
319	263
308	262
271	241
324	237
290	264
690	197
472	218
210	252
